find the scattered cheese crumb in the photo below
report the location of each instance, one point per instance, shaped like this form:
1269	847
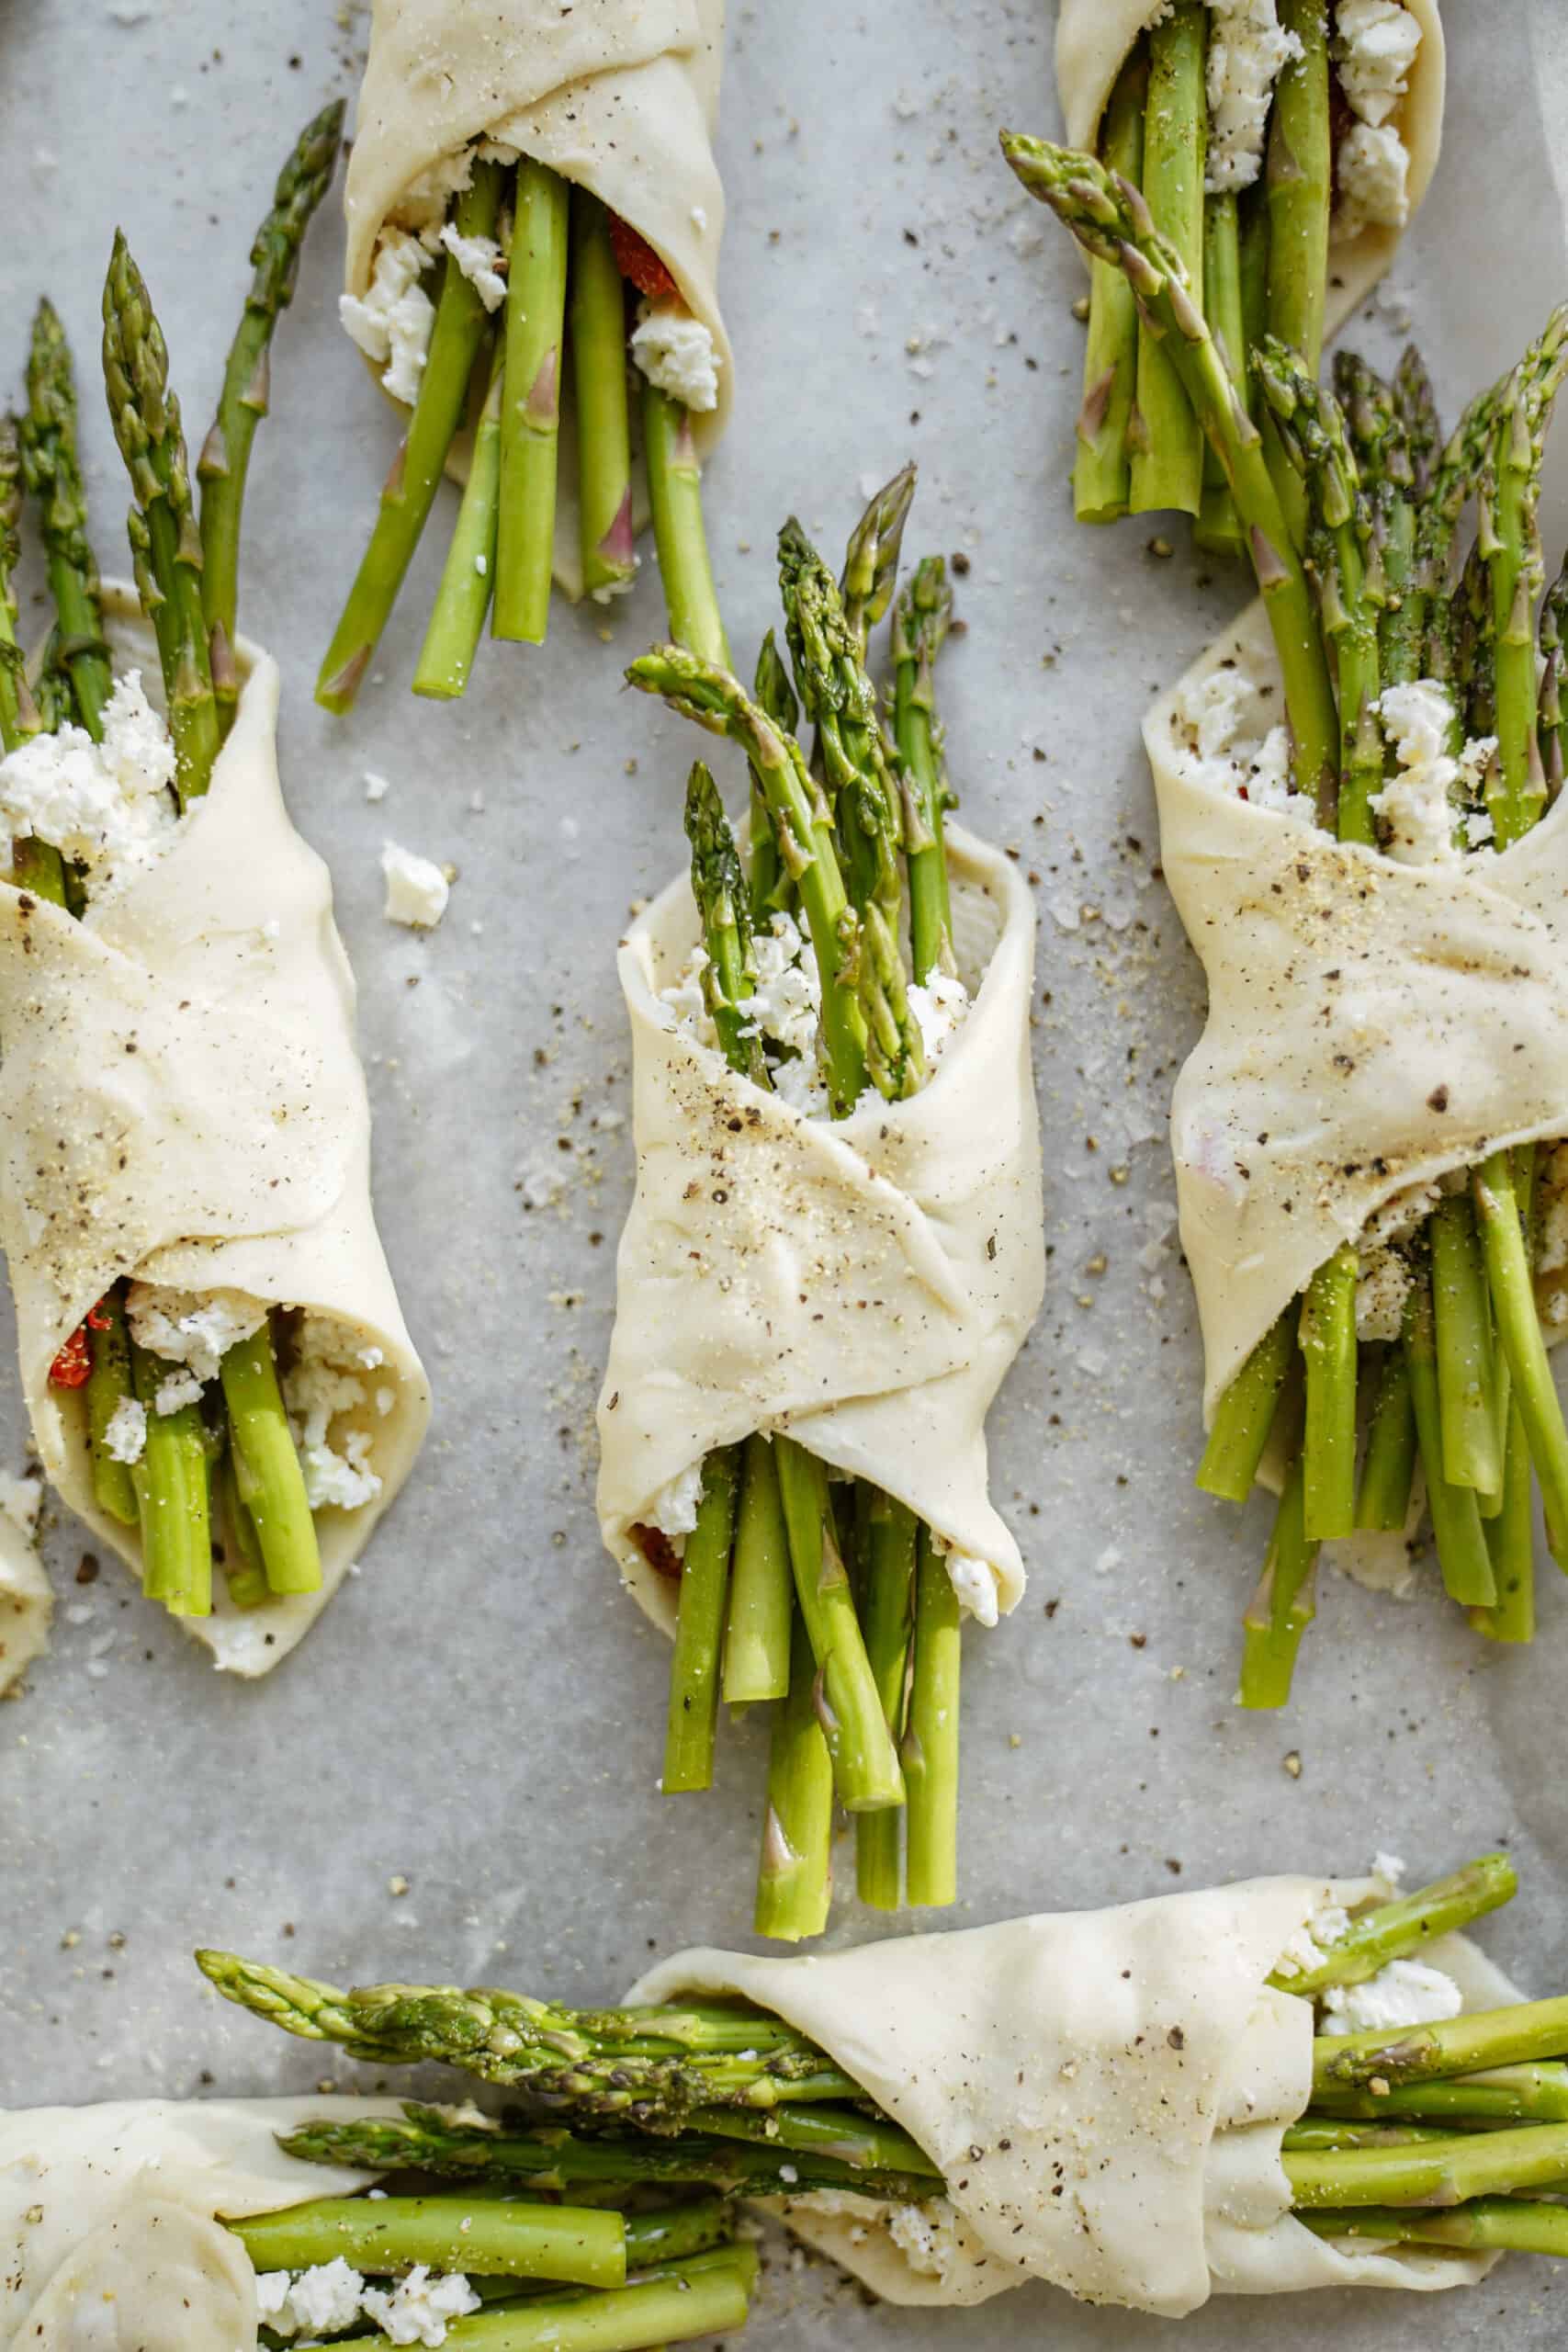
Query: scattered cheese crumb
477	258
376	786
125	1432
417	890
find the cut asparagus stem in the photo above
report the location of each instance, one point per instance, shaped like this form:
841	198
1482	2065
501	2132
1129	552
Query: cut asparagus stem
411	486
226	455
266	1465
1462	1323
244	1565
1506	2223
1388	1472
868	2143
1394	1930
1524	2094
166	549
921	624
468	577
1102	470
1218	528
1439	2172
1510	1541
1328	1352
761	1588
930	1742
699	1629
1245	1414
669	2232
170	1494
598	324
1518	1327
53	472
1456	1523
1165	437
1316	2132
108	1387
1484	2038
1299	180
1285	1603
865	1763
794	1878
887	1605
769	884
1112	222
574	2243
675	493
699	2297
533	333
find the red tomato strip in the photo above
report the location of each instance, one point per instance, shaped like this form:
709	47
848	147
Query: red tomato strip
635	259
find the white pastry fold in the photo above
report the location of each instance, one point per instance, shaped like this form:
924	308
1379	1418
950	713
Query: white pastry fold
1371	1026
862	1285
619	96
1094	39
109	2234
182	1102
1104	2091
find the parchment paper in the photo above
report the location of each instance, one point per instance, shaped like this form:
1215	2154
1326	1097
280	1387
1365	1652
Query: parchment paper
482	1716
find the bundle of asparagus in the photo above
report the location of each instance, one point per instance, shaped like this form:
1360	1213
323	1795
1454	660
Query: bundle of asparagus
200	1292
1280	145
198	2228
848	1275
517	190
1371	977
1225	2091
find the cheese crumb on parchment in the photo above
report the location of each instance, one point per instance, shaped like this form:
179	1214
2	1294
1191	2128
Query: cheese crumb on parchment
417	889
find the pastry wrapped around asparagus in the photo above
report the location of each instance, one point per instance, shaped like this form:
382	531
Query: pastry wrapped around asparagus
1357	791
834	1251
1281	146
155	2225
211	1350
534	224
1284	2084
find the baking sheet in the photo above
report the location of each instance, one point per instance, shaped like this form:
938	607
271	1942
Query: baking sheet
454	1777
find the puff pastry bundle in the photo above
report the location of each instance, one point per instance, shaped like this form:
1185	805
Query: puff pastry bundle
211	1350
834	1251
534	224
1359	794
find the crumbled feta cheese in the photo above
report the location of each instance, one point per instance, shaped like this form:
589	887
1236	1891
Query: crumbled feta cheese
926	2234
319	1385
786	1002
676	352
1222	743
125	1432
675	1504
975	1583
272	2294
1374	171
477	258
107	806
1380	1291
800	1084
1418	806
1247	48
418	2308
417	890
426	202
192	1328
1407	1992
323	2301
376	786
1401	1215
1375	43
1309	1947
391	323
1390	1870
940	1008
171	1396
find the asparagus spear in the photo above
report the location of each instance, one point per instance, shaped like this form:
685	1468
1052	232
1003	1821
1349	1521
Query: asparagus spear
718	886
795	1878
1505	2224
887	1615
1299	179
1165	435
1394	1930
467	576
840	701
672	2303
1553	638
53	472
1462	2045
108	1385
769	885
920	623
270	1482
930	1742
409	488
530	414
165	546
699	1629
761	1587
171	1492
1217	529
1388	1469
1112	220
576	2243
1285	1603
653	2067
871	560
226	454
865	1763
1102	472
675	493
1456	1522
35	866
1245	1414
1531	2093
598	324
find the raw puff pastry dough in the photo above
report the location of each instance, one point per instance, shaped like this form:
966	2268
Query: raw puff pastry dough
619	95
107	2236
1093	38
864	1283
181	1099
27	1604
1105	2092
1351	1045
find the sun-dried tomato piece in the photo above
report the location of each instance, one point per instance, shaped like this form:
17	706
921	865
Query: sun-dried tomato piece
73	1367
658	1550
635	259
